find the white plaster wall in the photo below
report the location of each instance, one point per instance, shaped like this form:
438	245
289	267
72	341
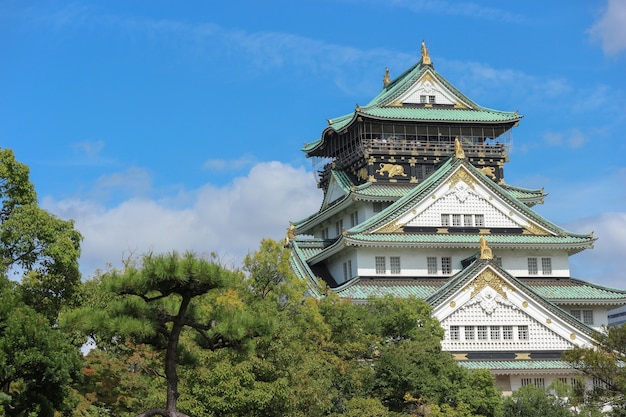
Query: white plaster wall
515	261
412	262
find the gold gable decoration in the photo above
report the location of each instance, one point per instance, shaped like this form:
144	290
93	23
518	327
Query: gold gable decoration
533	229
458	149
461	176
488	278
392	227
485	250
425	56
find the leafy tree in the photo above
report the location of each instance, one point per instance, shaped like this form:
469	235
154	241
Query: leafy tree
154	302
37	364
531	401
604	363
35	245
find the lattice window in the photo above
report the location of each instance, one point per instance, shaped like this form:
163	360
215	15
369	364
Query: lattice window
431	99
456	220
394	264
546	266
527	381
588	317
576	314
482	332
563	379
354	219
469	333
539	383
522	332
532	266
423	99
479	220
455	334
507	332
381	267
468	220
339	227
431	263
445	220
446	265
495	332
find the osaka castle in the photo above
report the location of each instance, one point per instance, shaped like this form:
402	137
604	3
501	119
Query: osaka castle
416	204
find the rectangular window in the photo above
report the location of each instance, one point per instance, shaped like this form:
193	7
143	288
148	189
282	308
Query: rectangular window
325	233
339	227
445	220
507	332
468	220
532	266
563	379
454	333
522	332
469	333
394	264
431	99
495	332
378	206
479	220
381	267
431	262
526	382
354	219
539	383
350	269
588	317
482	332
576	314
345	271
446	265
456	220
423	99
546	266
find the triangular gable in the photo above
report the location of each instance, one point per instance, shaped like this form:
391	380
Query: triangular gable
486	295
338	188
429	90
465	191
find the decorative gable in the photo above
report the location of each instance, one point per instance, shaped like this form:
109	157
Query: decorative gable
334	192
428	90
463	200
489	312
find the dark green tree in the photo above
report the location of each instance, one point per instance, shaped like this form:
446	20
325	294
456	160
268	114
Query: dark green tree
604	364
37	363
531	401
153	303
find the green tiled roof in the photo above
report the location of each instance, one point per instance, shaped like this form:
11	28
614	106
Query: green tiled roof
512	365
382	190
363	288
574	290
468	240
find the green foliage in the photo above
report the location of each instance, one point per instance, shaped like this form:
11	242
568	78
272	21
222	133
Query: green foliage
531	401
35	245
37	364
605	364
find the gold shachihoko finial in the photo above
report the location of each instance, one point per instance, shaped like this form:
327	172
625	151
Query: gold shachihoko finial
485	250
458	149
386	80
425	56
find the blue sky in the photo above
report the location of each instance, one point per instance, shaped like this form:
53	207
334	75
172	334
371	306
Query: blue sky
178	125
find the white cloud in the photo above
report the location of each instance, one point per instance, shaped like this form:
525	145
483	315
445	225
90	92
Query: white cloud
230	221
611	28
573	138
605	263
229	164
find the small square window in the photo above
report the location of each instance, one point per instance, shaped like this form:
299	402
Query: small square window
454	333
522	332
431	262
469	333
546	266
394	264
431	99
381	267
423	99
446	265
456	220
495	332
468	220
482	332
479	220
445	220
507	332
